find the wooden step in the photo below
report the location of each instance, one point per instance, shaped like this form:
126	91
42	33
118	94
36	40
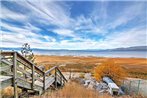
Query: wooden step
24	84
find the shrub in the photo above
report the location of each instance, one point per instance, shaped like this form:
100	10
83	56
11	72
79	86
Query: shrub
110	69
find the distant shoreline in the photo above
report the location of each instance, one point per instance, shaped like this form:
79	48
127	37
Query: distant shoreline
88	56
107	54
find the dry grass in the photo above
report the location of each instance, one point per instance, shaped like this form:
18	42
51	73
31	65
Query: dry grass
72	90
75	90
137	67
8	92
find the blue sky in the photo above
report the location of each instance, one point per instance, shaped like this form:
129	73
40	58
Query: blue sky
73	25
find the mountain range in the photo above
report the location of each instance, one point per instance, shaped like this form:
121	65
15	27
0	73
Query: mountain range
135	48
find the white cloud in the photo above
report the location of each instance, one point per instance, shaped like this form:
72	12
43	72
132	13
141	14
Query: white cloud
17	36
8	14
17	40
127	14
84	24
49	39
49	12
64	32
133	37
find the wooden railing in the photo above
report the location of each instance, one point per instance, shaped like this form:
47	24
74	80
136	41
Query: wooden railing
24	70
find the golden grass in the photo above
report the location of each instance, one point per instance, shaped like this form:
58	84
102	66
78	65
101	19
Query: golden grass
8	92
136	67
75	90
72	90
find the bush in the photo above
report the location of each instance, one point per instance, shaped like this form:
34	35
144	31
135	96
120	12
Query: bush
110	69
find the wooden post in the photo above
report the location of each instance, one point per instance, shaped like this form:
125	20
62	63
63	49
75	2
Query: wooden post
15	74
61	81
70	74
138	86
33	76
130	87
44	81
55	77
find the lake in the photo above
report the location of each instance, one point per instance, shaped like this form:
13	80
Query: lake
134	54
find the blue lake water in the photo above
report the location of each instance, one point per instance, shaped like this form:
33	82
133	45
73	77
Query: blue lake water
134	54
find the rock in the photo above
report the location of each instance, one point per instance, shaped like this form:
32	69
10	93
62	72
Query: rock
91	85
87	76
87	82
101	86
82	81
120	92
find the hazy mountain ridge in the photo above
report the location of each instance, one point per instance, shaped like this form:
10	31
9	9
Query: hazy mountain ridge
135	48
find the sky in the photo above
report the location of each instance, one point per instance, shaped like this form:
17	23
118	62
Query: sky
74	25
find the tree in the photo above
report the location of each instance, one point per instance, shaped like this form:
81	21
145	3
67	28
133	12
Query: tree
27	52
110	69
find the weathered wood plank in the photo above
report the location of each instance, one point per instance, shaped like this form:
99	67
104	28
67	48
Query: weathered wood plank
61	74
30	63
39	83
15	74
55	77
44	81
33	77
5	68
49	82
4	53
5	81
38	78
23	63
24	84
24	71
9	73
6	62
48	71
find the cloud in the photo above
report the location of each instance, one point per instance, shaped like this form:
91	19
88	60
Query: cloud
132	37
84	31
128	14
87	25
64	32
48	12
10	15
16	36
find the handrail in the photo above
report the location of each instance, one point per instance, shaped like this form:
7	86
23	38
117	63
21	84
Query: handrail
61	74
30	71
53	68
30	63
22	58
48	71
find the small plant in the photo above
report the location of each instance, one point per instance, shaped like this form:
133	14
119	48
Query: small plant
81	75
27	52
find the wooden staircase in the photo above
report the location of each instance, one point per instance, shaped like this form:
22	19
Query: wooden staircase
17	71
